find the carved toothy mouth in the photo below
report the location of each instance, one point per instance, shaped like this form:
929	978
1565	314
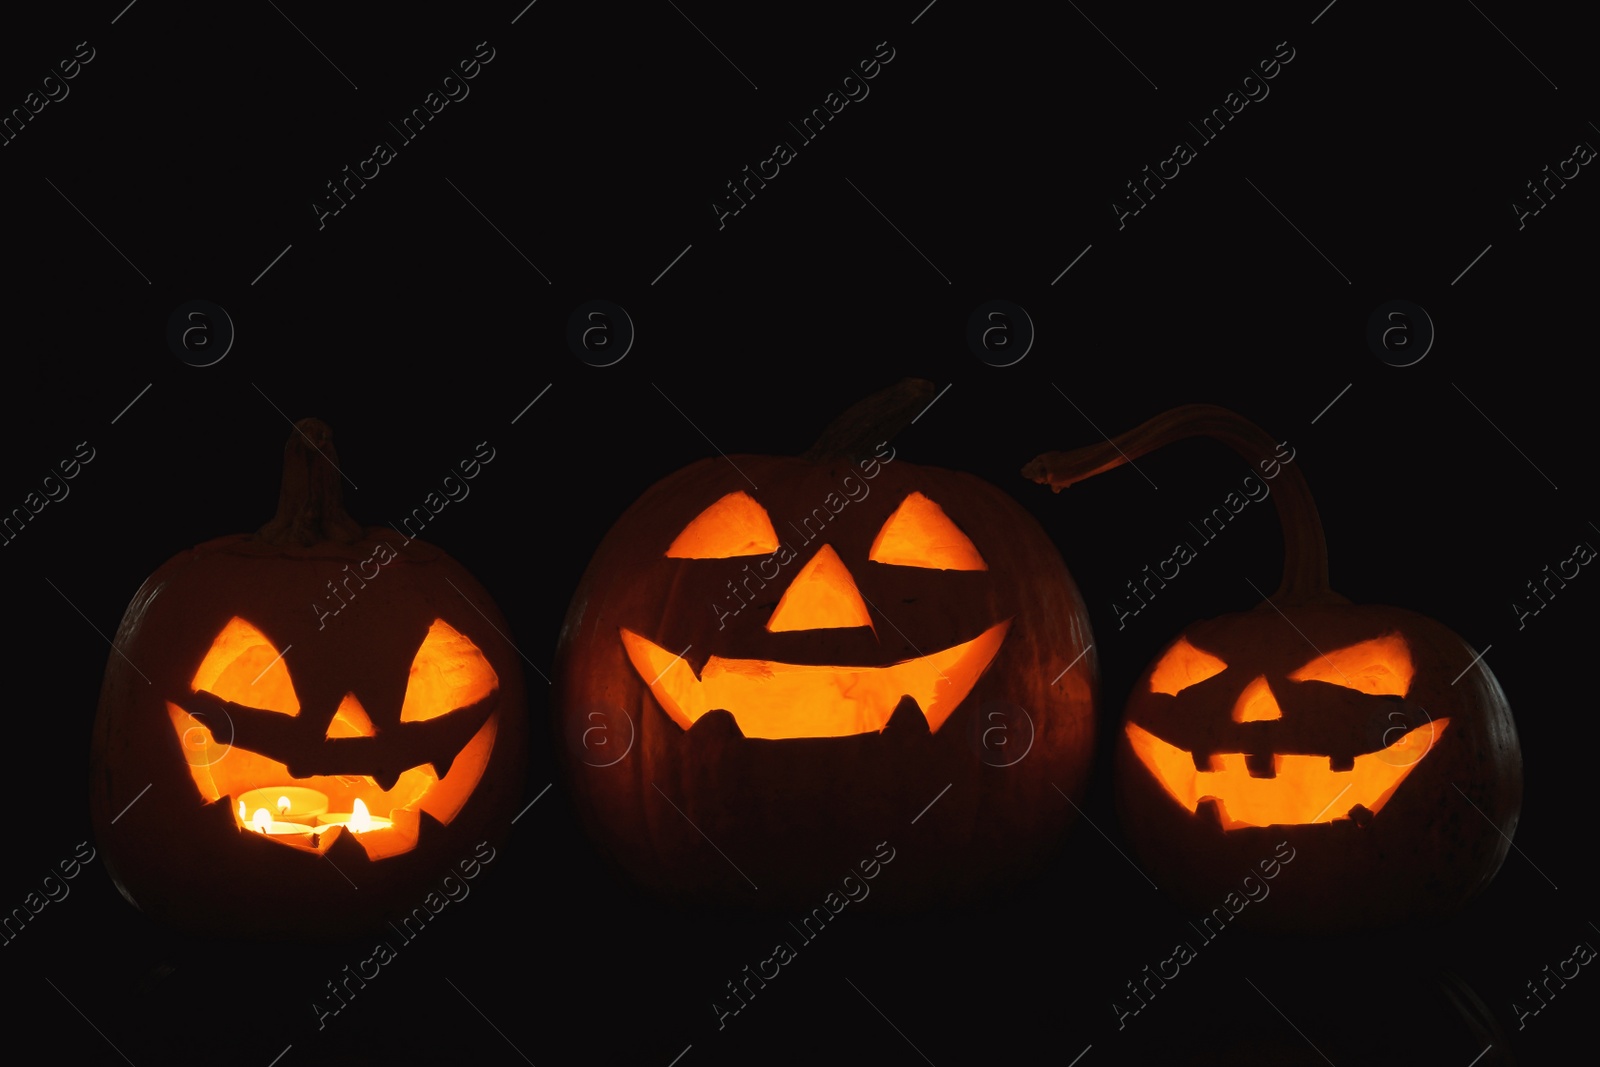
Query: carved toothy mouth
440	787
1301	788
786	700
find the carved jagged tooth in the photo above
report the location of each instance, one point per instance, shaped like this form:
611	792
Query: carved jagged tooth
1341	763
222	812
1260	765
716	724
427	826
386	779
908	719
697	660
1361	815
325	838
1209	811
345	852
441	767
1202	760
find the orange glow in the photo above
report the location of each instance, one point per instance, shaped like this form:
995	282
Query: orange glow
1257	703
350	720
1305	789
1183	666
779	700
1381	667
822	595
242	666
733	526
222	771
448	672
920	534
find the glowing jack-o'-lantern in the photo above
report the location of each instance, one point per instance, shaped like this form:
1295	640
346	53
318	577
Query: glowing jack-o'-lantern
269	762
1355	733
801	660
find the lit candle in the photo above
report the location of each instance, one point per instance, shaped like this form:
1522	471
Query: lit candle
263	823
358	821
286	803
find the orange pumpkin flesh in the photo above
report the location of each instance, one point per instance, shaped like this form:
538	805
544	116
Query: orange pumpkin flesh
1357	734
1298	788
448	676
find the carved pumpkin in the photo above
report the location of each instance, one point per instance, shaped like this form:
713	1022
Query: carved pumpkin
1355	733
267	762
773	663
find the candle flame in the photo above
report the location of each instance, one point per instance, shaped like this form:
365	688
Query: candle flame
283	805
360	818
261	820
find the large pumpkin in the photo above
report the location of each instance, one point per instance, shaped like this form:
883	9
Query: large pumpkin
1367	746
772	664
303	730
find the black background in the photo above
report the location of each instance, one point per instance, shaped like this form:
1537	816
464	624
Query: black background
995	142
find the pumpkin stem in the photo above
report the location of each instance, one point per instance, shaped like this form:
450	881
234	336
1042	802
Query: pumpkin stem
857	433
309	507
1305	550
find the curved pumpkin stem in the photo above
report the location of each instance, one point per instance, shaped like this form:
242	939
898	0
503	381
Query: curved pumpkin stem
1305	550
310	507
858	432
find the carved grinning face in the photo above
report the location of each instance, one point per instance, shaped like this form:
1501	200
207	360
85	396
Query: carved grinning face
381	767
790	649
1263	778
775	698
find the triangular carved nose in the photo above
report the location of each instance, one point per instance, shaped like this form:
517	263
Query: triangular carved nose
822	595
1257	702
351	720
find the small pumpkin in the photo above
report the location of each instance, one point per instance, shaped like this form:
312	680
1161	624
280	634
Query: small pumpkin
267	763
1369	743
772	664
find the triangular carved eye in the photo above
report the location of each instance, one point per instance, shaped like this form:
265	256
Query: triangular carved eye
920	534
733	526
449	672
1381	667
242	666
1183	666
